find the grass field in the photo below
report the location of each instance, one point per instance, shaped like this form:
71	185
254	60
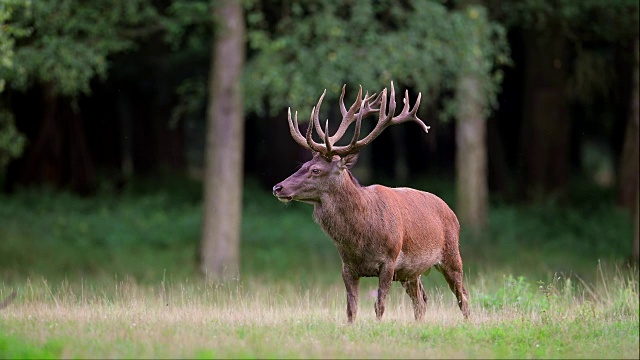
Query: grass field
115	276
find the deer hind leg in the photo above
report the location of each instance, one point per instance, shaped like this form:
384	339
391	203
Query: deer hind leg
418	296
452	272
385	277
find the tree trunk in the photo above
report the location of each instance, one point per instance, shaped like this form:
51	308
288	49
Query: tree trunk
546	129
126	138
42	161
471	155
60	154
628	192
220	242
472	190
628	178
636	240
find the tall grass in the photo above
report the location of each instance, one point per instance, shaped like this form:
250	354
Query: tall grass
116	276
249	319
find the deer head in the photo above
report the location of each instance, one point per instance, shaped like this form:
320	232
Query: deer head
330	163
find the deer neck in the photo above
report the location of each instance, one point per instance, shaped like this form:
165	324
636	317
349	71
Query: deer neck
338	209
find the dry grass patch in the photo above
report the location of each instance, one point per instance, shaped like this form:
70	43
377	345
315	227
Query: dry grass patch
260	320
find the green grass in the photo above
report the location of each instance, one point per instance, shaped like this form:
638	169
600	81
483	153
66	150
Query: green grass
256	320
115	276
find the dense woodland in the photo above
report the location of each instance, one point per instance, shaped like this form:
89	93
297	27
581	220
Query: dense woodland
526	99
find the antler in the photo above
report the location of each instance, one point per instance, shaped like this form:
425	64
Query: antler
364	107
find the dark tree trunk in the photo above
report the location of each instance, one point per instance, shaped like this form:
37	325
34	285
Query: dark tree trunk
628	192
43	156
220	242
126	138
546	129
79	171
59	155
628	172
635	253
497	161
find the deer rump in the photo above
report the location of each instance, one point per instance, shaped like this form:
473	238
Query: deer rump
413	227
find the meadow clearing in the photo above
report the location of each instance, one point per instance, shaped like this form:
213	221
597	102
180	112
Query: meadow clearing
115	277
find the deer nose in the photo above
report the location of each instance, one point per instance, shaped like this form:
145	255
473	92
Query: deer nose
277	189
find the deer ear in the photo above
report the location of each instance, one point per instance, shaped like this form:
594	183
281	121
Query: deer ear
347	161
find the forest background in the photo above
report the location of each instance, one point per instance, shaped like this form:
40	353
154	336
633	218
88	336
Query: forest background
139	141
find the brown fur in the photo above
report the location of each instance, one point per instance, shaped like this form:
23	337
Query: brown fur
395	234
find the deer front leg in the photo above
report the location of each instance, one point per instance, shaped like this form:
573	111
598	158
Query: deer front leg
352	284
385	278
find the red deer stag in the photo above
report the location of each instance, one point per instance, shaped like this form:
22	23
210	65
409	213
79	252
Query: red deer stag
390	233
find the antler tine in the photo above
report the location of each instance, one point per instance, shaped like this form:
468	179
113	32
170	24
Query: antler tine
364	107
405	101
315	115
392	102
312	145
384	120
295	130
356	131
327	143
347	116
367	107
367	99
407	115
382	115
355	106
343	109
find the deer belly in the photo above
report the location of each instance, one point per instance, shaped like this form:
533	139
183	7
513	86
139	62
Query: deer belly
413	265
363	268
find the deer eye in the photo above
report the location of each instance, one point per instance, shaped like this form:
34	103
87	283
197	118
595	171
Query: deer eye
315	171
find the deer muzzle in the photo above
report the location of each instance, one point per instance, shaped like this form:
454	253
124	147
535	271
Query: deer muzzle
277	190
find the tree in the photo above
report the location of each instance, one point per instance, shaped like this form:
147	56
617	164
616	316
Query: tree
564	66
220	241
546	129
12	142
635	253
323	44
471	128
67	46
628	172
629	162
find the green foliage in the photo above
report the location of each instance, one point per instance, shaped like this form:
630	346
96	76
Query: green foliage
9	33
12	142
576	19
69	41
584	23
316	45
188	25
192	93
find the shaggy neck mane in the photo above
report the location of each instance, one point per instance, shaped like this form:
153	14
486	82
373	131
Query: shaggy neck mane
337	208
